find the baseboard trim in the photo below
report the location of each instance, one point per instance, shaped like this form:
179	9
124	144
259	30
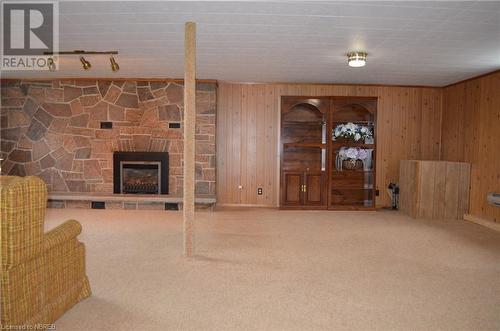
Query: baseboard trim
484	222
245	205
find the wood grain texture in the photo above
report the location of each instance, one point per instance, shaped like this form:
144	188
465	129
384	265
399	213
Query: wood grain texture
471	133
189	136
434	189
248	128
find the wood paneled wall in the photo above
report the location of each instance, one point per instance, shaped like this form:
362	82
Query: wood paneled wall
471	133
248	122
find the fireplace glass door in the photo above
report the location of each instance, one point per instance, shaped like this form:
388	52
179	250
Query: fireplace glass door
140	177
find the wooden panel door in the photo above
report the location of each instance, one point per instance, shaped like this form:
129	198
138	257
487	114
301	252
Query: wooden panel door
314	189
293	184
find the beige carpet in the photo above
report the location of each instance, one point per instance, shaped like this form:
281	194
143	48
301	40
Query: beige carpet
284	270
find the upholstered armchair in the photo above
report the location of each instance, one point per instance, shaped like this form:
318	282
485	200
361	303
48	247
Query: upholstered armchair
42	274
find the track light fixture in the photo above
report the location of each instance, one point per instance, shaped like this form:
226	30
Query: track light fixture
114	65
51	64
85	64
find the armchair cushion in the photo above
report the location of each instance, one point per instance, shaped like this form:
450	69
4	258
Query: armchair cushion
42	275
22	211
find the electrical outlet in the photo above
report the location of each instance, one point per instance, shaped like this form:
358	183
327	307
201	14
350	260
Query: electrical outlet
259	191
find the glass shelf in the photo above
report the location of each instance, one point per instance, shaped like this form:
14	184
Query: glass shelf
304	144
338	144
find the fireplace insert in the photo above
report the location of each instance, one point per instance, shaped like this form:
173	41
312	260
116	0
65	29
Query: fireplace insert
140	172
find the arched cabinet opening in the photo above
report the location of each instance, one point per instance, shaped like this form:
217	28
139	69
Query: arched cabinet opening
353	112
303	123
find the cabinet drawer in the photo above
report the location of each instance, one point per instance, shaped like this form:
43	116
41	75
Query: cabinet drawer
352	179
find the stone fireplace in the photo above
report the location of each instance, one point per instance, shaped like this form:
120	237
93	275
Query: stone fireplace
140	173
67	131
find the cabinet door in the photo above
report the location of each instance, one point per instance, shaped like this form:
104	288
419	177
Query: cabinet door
314	189
292	189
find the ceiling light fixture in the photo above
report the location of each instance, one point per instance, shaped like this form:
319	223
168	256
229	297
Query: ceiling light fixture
114	65
85	64
51	64
356	59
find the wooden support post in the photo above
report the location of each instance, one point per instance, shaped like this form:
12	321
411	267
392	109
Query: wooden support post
189	135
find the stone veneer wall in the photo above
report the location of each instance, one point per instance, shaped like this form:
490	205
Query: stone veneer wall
52	129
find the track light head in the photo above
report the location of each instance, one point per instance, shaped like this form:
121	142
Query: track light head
114	65
85	64
51	64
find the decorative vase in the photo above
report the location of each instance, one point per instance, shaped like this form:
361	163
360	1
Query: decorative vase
352	164
338	162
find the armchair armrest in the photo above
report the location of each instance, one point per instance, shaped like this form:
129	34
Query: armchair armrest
62	233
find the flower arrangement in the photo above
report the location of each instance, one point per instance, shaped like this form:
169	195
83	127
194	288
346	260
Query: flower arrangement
353	158
351	131
353	153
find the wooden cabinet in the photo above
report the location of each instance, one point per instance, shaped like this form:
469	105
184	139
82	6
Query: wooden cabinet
293	185
302	189
314	189
352	160
304	135
312	175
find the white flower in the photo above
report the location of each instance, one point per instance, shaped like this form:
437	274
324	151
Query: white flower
364	129
351	153
363	154
357	136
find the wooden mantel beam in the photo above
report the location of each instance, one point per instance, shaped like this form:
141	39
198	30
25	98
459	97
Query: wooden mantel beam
189	136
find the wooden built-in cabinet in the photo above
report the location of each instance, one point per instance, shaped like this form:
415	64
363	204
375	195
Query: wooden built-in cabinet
303	189
312	174
304	139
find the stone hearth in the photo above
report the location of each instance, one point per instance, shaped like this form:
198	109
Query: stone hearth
52	129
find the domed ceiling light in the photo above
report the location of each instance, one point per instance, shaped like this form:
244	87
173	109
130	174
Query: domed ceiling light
356	59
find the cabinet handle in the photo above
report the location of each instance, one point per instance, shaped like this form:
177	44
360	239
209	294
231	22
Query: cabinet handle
303	187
